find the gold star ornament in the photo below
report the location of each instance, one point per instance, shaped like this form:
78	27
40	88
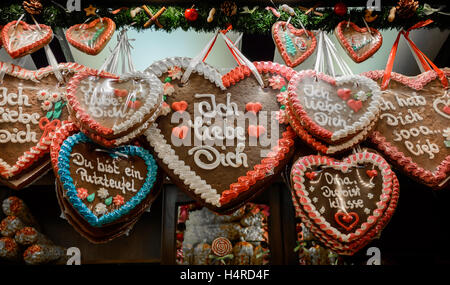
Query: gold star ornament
91	10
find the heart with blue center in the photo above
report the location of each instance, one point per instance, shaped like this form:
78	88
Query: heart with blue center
104	185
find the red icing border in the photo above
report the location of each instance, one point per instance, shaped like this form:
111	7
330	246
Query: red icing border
36	152
25	49
61	135
432	179
281	48
374	224
345	44
279	152
101	41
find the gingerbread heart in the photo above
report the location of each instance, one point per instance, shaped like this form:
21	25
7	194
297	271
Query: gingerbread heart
105	114
359	43
343	206
314	101
20	39
103	184
294	45
91	38
413	131
32	107
221	161
310	140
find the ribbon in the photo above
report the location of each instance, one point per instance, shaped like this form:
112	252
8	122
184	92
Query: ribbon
425	62
326	51
428	10
121	50
222	259
48	127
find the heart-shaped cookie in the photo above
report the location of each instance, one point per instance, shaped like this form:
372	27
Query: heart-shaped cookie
32	107
315	102
312	141
359	43
104	184
91	38
20	39
227	153
342	205
294	45
100	107
413	131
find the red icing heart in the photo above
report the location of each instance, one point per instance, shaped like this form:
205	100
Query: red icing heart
256	131
180	106
253	107
134	104
347	220
446	110
180	132
372	173
14	38
356	105
344	93
311	175
121	92
365	52
91	38
298	39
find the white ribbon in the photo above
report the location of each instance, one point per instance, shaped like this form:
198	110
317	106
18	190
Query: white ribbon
327	53
121	51
240	58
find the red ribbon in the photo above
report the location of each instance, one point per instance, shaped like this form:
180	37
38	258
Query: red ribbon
48	127
427	64
229	28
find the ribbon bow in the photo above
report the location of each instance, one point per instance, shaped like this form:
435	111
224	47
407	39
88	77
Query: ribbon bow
48	127
222	259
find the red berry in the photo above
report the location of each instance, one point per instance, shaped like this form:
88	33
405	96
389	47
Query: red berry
340	9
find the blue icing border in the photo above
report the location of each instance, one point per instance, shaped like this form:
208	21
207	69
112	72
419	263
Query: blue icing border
71	192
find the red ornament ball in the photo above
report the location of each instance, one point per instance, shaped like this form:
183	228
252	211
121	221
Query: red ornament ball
340	9
191	14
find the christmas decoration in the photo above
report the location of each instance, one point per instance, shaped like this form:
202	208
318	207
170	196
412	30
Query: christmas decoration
211	15
33	7
90	11
405	9
309	10
391	16
191	14
369	17
229	8
340	9
153	18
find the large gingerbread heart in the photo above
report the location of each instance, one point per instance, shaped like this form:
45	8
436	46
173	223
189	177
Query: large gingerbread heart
413	131
220	139
91	38
32	107
104	184
294	45
344	203
359	43
20	39
333	109
114	107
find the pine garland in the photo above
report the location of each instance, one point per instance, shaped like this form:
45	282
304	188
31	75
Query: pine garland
258	22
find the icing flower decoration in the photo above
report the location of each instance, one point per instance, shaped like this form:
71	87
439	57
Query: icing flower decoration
103	193
55	97
100	209
42	95
118	200
277	82
168	89
447	133
175	72
46	105
165	109
361	95
82	193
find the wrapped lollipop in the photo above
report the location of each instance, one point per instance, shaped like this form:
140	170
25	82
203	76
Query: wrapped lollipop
14	206
42	254
9	249
10	225
243	253
29	236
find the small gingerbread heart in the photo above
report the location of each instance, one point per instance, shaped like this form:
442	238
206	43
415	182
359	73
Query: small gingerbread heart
347	220
20	38
91	38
